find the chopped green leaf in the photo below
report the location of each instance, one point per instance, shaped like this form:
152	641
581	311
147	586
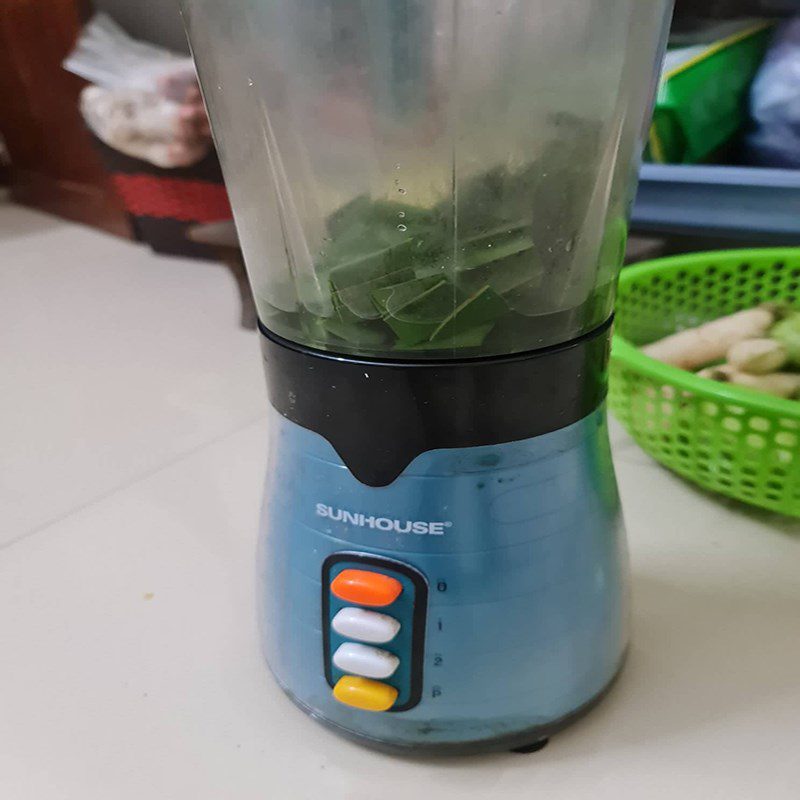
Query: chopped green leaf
483	307
363	334
393	299
368	267
503	276
349	215
358	299
416	320
487	253
466	339
526	298
314	329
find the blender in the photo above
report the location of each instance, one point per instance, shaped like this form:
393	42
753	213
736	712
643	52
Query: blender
432	200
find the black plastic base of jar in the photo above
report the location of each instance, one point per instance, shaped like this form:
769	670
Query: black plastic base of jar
381	414
529	740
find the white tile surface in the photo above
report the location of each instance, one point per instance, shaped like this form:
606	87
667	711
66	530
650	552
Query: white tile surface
114	361
129	663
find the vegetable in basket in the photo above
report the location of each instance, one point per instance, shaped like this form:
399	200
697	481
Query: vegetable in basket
696	347
747	348
780	384
757	356
787	332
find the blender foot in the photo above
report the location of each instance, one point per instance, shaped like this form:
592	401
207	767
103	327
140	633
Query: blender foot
534	747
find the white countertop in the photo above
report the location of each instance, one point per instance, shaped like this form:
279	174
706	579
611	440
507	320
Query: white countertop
132	450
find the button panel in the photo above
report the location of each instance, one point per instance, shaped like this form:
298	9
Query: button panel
353	585
365	626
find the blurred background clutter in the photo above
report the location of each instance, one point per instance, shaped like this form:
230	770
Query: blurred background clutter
724	141
108	129
102	123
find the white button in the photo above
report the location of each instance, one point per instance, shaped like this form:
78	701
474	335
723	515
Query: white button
361	659
366	626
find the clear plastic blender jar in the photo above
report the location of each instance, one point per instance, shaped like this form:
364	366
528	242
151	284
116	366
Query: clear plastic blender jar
429	178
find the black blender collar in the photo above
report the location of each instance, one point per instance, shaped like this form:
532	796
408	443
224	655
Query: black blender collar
380	415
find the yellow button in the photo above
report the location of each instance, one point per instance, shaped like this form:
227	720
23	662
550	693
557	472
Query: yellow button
364	693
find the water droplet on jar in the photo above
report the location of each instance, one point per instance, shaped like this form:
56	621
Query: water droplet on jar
402	191
397	166
402	215
569	245
249	81
402	228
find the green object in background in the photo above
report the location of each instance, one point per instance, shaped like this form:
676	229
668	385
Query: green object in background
787	332
725	438
702	100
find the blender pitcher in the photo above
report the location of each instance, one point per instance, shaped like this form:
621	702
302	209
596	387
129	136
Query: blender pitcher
432	200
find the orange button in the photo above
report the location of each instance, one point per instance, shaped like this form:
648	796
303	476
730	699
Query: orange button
366	588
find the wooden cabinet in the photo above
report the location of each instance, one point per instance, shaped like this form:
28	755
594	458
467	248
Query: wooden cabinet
54	166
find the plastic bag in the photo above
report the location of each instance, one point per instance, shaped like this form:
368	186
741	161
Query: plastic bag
775	102
145	101
106	56
144	125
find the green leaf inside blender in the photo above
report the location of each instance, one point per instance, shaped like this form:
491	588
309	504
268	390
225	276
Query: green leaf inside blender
405	277
415	321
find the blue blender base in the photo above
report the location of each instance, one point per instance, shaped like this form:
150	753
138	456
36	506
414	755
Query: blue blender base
514	617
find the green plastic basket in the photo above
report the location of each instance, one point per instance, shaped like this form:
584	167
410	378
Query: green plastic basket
725	438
